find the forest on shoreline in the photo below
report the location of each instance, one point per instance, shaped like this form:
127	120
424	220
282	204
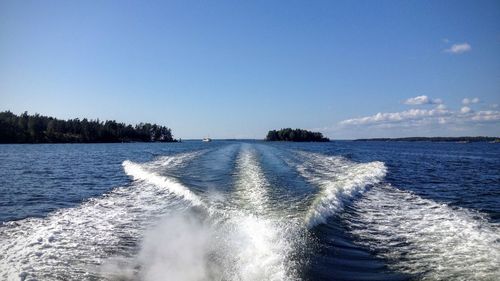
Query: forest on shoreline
296	135
438	139
26	128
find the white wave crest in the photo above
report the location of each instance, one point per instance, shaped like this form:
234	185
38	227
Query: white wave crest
338	180
70	244
239	241
263	241
422	237
138	173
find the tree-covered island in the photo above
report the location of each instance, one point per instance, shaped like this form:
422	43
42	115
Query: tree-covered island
297	135
437	139
36	128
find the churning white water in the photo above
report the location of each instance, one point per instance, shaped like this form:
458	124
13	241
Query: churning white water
72	243
422	237
166	227
338	179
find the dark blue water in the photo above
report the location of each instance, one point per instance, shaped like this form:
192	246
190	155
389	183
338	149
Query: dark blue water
250	210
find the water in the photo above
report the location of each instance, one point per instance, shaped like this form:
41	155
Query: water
250	210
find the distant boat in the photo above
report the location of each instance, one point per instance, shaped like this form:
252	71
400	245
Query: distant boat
207	139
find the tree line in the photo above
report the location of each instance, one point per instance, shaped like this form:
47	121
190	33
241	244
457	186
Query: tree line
26	128
438	139
298	135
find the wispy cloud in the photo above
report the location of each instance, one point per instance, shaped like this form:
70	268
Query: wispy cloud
468	101
438	115
423	99
459	48
465	109
396	117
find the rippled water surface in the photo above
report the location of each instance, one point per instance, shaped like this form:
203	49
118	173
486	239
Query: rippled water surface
250	210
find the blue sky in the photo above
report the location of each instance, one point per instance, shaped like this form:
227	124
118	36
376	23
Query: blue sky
235	69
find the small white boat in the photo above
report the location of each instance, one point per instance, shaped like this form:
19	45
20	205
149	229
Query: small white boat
207	139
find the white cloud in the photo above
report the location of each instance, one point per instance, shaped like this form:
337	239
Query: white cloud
394	117
465	109
467	101
487	115
437	120
423	117
495	105
423	99
459	48
441	106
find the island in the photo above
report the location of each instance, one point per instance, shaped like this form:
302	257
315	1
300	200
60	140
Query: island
439	139
296	135
26	128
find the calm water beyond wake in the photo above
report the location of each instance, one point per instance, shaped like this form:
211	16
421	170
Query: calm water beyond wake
250	210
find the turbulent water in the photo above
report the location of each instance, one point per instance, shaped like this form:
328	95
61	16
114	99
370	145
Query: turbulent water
250	211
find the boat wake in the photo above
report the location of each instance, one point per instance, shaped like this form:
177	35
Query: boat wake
239	240
338	180
139	173
159	226
421	237
71	244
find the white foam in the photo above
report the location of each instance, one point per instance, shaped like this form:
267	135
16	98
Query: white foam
338	179
251	185
138	173
420	236
177	248
71	244
239	241
263	241
261	248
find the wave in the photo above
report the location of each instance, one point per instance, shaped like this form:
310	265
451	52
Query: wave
139	173
338	179
419	236
263	241
73	243
251	184
240	240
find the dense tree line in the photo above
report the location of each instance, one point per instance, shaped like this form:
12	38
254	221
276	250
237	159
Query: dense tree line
36	128
438	139
299	135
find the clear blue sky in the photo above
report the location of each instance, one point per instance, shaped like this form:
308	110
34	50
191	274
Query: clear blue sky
235	69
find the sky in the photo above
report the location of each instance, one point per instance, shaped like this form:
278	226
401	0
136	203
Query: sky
236	69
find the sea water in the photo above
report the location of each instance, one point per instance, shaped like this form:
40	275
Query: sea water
250	210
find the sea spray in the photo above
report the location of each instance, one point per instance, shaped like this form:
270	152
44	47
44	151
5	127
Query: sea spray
338	179
178	247
138	173
72	243
263	241
422	237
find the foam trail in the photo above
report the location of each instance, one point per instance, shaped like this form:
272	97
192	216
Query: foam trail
138	173
339	179
239	240
177	160
263	247
72	243
419	236
251	183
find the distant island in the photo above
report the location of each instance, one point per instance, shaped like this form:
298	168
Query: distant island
438	139
297	135
36	128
